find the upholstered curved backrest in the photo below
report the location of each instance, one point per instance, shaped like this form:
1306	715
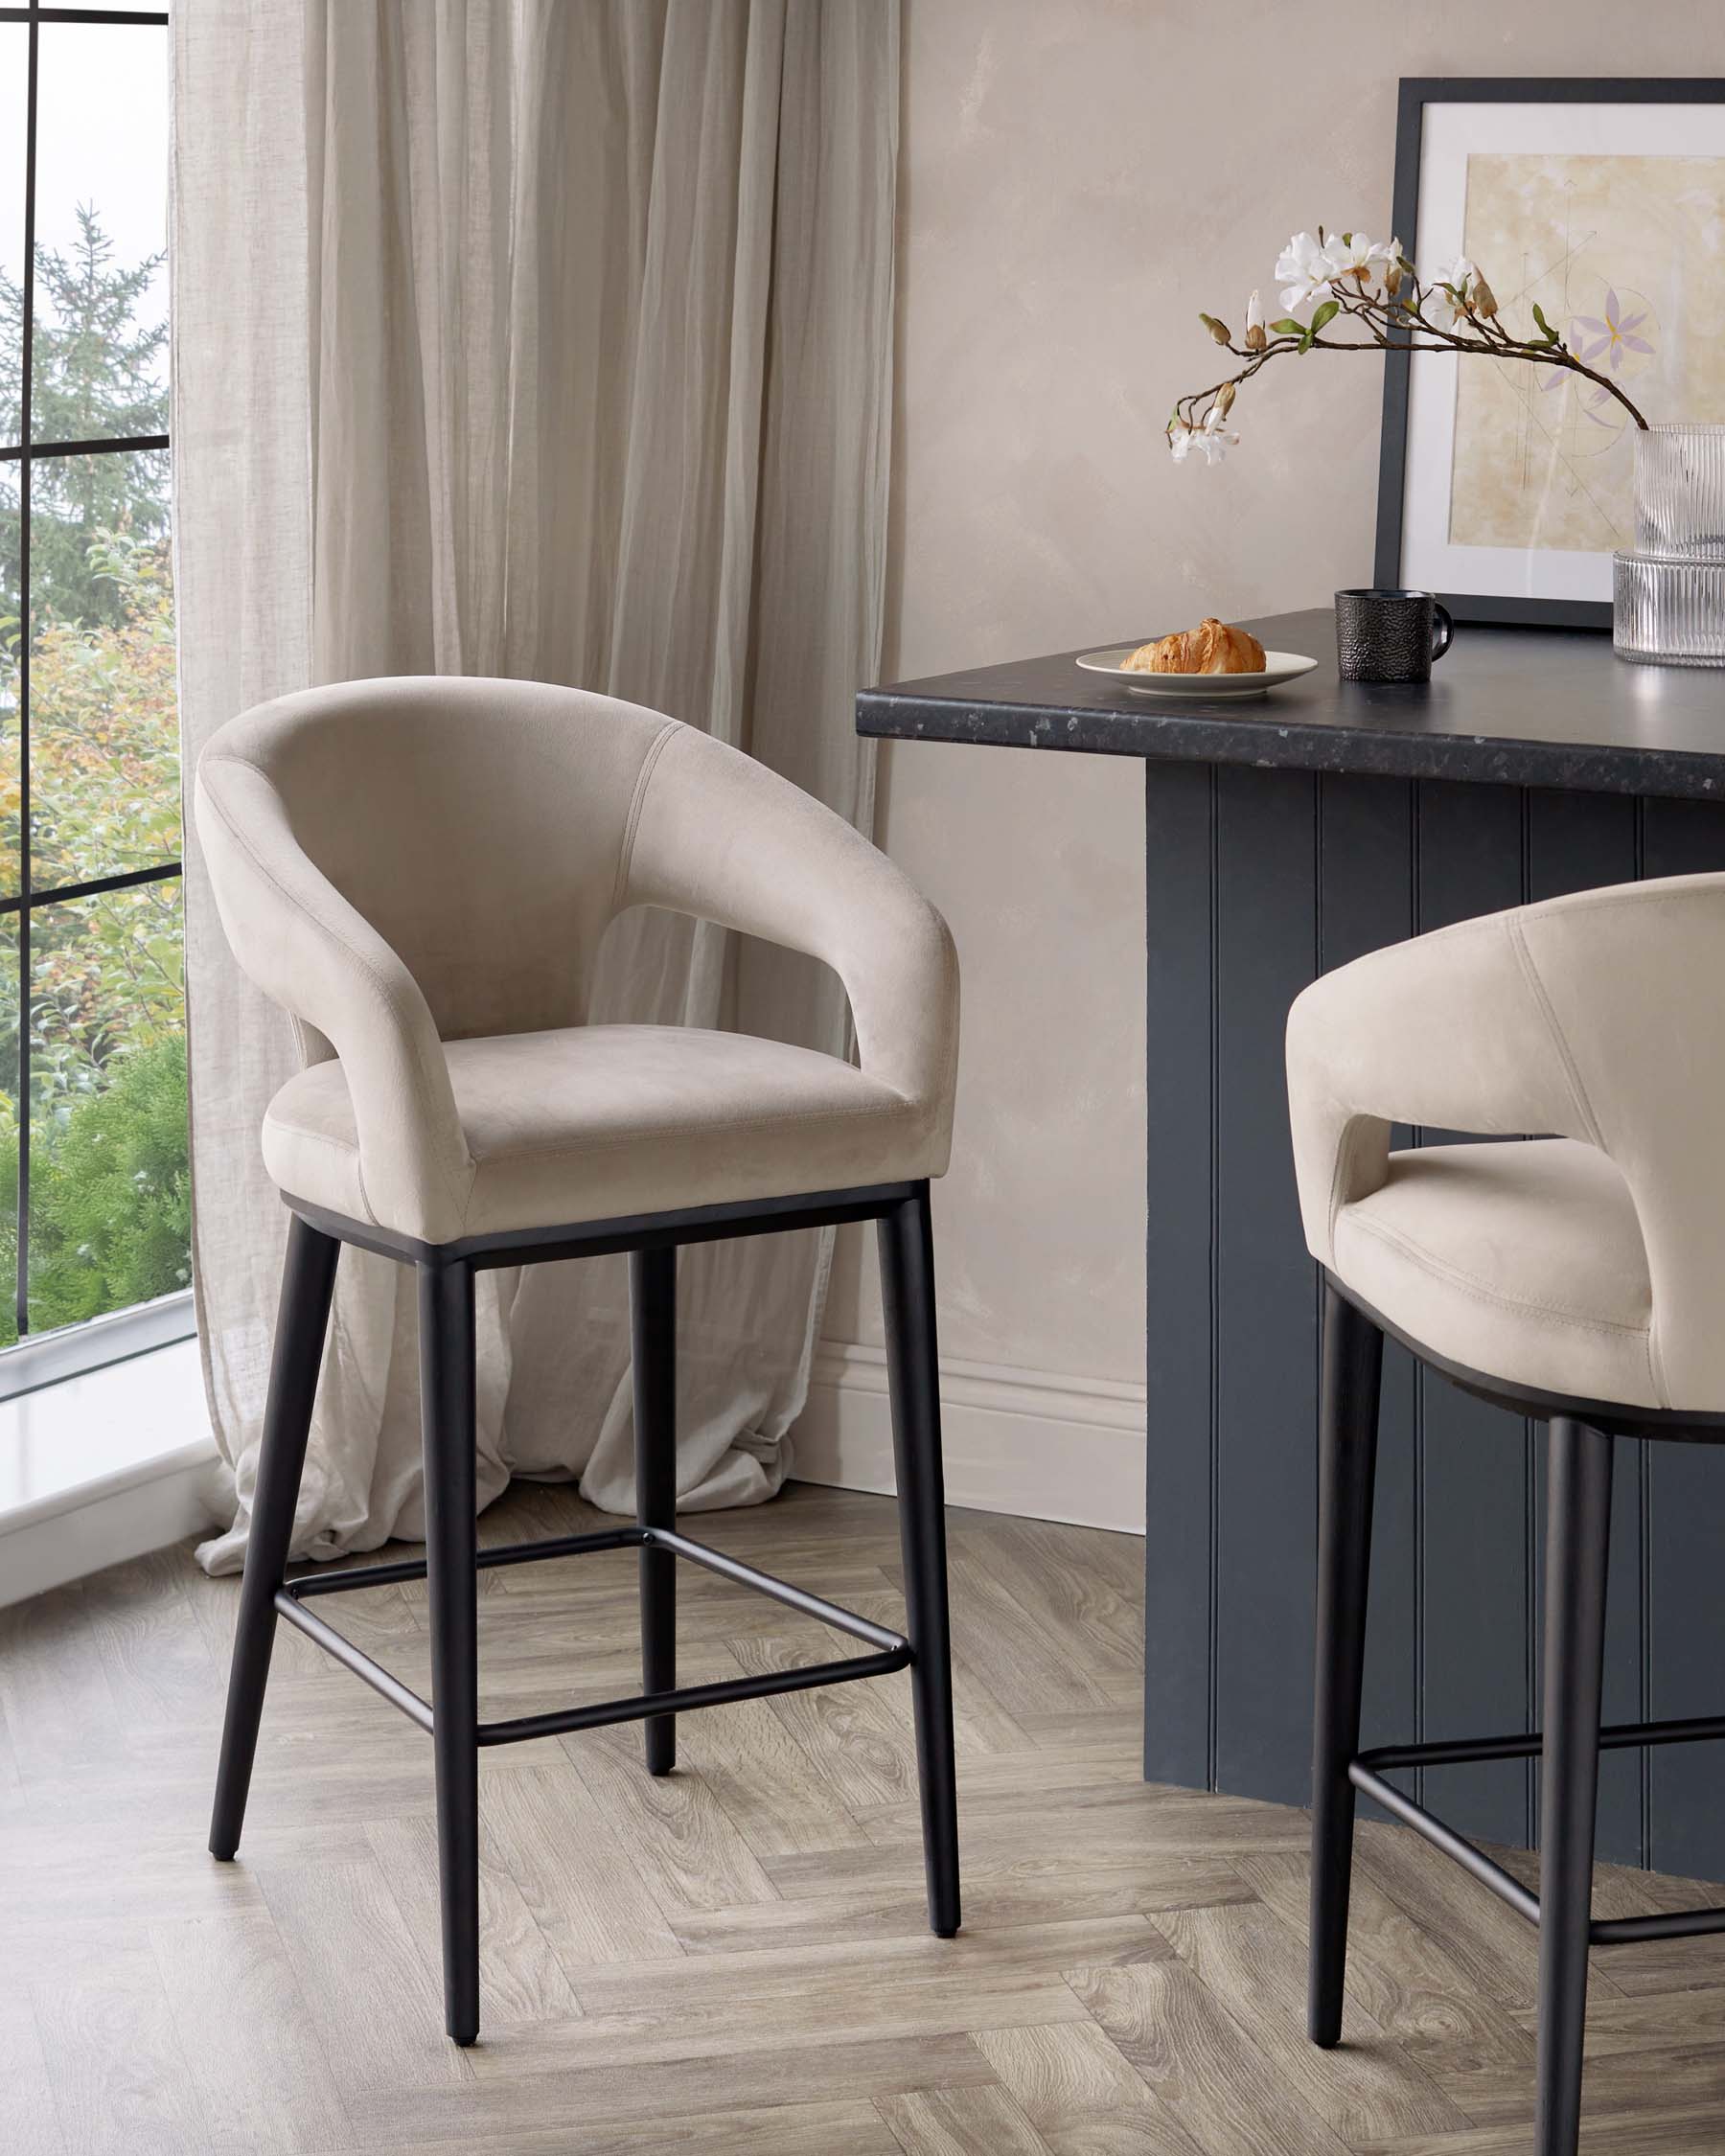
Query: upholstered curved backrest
477	825
408	862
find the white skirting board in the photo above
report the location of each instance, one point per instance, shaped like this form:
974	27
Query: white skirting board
102	1467
1047	1446
172	1501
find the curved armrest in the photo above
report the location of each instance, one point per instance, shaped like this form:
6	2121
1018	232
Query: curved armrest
718	836
304	945
1448	1030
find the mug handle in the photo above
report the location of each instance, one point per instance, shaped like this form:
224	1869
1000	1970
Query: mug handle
1443	630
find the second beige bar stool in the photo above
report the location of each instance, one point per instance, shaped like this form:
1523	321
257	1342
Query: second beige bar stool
420	872
1577	1277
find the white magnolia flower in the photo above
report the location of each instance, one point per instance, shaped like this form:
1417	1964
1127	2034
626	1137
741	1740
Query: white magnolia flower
1255	313
1302	270
1350	255
1449	289
1213	440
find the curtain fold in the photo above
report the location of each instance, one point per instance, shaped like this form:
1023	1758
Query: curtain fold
549	339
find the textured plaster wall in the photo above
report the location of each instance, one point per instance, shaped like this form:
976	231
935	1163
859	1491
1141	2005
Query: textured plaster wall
1078	178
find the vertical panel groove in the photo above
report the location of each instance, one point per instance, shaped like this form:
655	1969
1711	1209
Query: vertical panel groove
1529	1461
1416	921
1319	969
1643	1556
1184	1600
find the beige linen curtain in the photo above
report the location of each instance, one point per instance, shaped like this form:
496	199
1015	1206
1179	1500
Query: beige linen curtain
548	338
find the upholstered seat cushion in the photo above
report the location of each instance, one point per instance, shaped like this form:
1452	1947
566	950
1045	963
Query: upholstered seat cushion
604	1121
1522	1259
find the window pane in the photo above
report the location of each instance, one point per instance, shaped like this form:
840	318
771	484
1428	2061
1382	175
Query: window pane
103	722
100	342
9	621
9	1128
15	87
109	1186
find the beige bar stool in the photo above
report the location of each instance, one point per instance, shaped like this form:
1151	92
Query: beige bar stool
420	872
1576	1276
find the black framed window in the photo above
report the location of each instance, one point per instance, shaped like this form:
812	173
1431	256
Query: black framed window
94	1183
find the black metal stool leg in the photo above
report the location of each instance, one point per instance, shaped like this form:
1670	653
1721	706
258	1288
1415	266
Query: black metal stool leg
1353	1361
307	1281
445	1302
653	1314
1578	1547
906	1249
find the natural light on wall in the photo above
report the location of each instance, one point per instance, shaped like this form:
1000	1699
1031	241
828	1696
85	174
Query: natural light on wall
94	1185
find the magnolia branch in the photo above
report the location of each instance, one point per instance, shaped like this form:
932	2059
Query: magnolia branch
1399	319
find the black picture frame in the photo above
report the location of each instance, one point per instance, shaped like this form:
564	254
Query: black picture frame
1415	94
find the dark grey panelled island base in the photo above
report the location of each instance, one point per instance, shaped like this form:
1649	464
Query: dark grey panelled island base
1285	836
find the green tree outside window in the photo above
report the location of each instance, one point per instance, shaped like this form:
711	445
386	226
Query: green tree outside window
109	1182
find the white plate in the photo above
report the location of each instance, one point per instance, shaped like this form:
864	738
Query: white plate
1279	667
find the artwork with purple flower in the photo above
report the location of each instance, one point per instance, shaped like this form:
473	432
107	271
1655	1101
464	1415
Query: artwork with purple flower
1621	332
1595	210
1611	247
1609	338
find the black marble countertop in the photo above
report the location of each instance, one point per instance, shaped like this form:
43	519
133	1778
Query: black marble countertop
1505	706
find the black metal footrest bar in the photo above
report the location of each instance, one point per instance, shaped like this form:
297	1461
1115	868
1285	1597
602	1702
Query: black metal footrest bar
1367	1774
892	1651
1465	1853
1461	1752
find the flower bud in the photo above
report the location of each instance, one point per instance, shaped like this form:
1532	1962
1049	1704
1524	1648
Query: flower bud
1392	278
1219	330
1483	299
1255	340
1225	397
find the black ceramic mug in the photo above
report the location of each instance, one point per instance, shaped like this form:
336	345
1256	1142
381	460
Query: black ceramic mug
1389	635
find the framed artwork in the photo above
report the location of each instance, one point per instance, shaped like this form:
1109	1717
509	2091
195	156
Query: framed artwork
1505	489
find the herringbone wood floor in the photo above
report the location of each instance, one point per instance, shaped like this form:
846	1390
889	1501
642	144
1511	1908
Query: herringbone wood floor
736	1959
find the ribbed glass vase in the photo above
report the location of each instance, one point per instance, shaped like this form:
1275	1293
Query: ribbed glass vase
1669	590
1680	491
1668	609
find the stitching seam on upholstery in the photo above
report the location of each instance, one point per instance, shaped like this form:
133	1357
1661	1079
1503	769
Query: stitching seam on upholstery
1701	887
954	987
1559	1038
609	1143
639	801
1483	1290
1342	1173
379	984
339	1145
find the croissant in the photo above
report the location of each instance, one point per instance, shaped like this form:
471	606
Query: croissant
1211	648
